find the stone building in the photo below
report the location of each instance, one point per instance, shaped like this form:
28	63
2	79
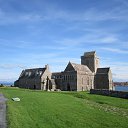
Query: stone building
103	79
102	76
91	60
37	78
75	77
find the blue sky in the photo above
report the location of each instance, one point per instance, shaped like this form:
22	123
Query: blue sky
38	32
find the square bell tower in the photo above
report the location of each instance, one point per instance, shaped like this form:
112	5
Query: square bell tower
91	60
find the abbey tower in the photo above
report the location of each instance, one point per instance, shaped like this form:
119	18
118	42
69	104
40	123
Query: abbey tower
91	60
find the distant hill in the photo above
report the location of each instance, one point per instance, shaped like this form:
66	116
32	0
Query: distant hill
6	83
121	83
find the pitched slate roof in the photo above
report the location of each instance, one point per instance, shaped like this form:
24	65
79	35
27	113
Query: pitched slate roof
31	73
78	67
103	70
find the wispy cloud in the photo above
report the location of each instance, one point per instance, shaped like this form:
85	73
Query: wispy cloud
120	72
11	66
124	2
89	15
109	39
120	77
9	76
90	38
115	50
7	18
119	69
57	13
16	43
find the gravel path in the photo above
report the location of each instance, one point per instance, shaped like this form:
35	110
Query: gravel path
2	111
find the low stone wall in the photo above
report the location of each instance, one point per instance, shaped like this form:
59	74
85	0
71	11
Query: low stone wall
112	93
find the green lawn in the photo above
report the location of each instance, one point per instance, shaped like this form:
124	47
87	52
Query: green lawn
39	109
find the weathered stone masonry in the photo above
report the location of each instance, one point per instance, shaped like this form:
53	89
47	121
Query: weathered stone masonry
75	77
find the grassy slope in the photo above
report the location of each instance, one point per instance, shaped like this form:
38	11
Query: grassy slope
64	110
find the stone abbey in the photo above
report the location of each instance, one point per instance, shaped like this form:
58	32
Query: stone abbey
75	77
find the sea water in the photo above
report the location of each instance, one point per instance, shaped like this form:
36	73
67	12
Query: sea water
121	88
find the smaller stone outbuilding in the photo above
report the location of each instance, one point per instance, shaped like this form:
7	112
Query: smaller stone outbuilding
103	79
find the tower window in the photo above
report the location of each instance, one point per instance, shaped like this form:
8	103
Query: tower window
87	62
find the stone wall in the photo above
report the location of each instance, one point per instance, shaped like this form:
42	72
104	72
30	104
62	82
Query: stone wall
91	60
103	79
112	93
84	81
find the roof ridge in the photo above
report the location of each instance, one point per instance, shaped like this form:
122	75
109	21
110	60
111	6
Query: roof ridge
80	67
34	68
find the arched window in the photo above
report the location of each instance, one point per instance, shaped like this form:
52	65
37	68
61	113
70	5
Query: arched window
29	73
87	80
82	81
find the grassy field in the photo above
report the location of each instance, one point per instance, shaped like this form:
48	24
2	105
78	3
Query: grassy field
39	109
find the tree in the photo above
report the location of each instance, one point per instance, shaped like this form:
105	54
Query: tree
1	85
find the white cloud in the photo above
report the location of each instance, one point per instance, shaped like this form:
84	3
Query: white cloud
119	69
9	75
120	77
57	13
91	38
120	73
7	18
11	66
115	50
109	39
16	43
93	14
89	15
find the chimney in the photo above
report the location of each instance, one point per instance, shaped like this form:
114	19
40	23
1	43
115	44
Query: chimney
47	66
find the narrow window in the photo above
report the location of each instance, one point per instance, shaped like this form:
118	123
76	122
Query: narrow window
88	81
82	81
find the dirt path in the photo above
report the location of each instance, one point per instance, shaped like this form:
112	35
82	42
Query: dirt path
2	111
